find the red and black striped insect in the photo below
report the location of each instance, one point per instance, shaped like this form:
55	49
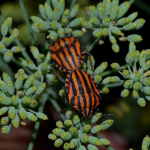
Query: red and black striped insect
67	53
82	92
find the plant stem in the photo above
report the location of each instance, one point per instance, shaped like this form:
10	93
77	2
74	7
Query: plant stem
114	84
4	67
57	108
106	73
24	12
72	4
37	124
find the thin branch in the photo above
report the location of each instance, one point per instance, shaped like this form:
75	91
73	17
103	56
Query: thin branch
111	85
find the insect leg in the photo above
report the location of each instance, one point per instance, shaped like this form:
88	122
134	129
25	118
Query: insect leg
60	78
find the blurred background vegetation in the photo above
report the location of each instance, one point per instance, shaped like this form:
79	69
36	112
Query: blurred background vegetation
131	124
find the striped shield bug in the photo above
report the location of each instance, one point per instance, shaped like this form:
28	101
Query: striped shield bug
82	92
68	54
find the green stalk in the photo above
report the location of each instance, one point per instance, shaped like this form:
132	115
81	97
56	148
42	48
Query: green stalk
57	108
72	4
4	67
24	12
37	124
114	84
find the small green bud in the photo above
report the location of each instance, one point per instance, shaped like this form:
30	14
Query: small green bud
94	21
10	88
33	103
66	146
14	35
48	11
146	141
136	86
146	90
16	49
56	14
58	131
2	48
130	57
35	52
82	147
135	94
19	82
14	100
95	118
31	65
62	93
134	38
114	12
125	93
105	90
123	21
52	137
76	121
74	11
116	30
6	129
86	128
115	66
141	102
101	68
106	124
73	143
52	78
106	21
59	124
98	78
3	86
31	117
6	78
36	19
22	113
116	48
15	121
95	141
140	23
112	40
130	26
90	146
97	33
137	76
58	143
101	13
61	32
66	136
41	88
105	32
42	11
132	46
92	11
5	100
104	142
35	26
31	90
76	22
86	25
4	121
133	16
108	7
41	116
84	138
8	56
68	30
77	33
66	13
67	123
128	83
28	82
43	26
68	114
96	129
12	112
3	110
146	81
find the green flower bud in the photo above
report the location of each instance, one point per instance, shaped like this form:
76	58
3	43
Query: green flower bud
124	7
76	121
10	88
142	58
114	13
105	32
68	30
94	21
2	94
100	5
98	78
66	136
8	56
56	14
96	129
106	21
6	41
140	23
101	13
90	146
3	110
137	76
86	128
58	143
114	79
58	131
115	66
95	141
82	147
42	11
106	124
146	81
130	57
112	40
31	90
146	74
101	68
137	54
35	26
66	146
36	19
62	93
141	102
92	11
105	90
73	143
125	93
14	35
31	65
5	100
2	48
19	82
48	11
4	121
135	94
108	7
52	137
134	38
22	113
53	35
54	25
14	100
116	48
52	78
123	21
128	83
68	114
67	123
115	30
133	16
16	49
76	22
41	88
84	138
15	121
74	11
97	33
6	77
115	3
95	118
87	25
61	6
104	142
61	32
36	83
31	117
12	112
77	33
146	90
66	13
3	86
63	21
132	46
54	3
59	124
130	26
43	26
35	52
144	147
41	116
146	141
4	28
106	80
73	131
146	65
33	103
136	86
28	82
6	129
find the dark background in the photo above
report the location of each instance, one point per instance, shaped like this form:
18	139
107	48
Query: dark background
131	124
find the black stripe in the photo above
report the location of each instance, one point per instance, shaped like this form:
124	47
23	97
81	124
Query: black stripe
52	52
79	104
94	101
75	40
90	102
72	101
73	86
62	50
